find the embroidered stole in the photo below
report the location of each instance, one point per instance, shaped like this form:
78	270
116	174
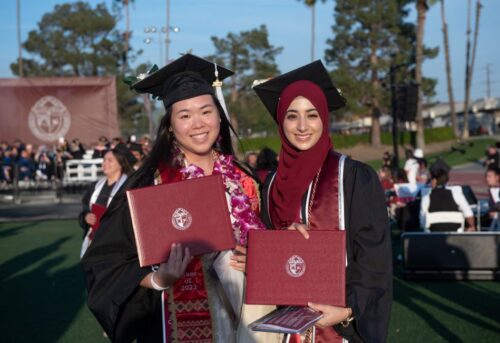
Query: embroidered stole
185	308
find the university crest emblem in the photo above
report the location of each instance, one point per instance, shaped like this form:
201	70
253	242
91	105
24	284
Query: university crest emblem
181	219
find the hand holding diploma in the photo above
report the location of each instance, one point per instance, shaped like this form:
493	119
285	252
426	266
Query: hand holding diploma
172	270
301	228
239	258
332	315
90	219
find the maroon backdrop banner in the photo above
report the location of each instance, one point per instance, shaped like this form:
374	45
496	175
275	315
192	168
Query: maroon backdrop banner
41	110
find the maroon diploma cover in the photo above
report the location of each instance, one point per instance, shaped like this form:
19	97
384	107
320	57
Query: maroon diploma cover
193	212
283	268
98	211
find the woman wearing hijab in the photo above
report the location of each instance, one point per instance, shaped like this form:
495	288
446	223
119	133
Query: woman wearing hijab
98	196
317	188
151	304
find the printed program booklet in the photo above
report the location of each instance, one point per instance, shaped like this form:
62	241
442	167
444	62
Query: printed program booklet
289	320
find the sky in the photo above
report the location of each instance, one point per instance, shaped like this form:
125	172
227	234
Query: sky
289	26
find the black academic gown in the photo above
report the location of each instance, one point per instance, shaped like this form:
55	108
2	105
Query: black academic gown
125	311
369	254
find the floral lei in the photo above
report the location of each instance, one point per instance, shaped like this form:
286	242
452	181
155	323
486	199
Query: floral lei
243	218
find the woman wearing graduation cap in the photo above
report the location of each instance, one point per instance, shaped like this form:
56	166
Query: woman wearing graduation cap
150	304
317	188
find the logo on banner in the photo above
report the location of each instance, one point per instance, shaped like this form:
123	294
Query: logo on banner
49	119
181	219
295	266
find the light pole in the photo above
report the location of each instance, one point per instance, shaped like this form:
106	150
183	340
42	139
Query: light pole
154	30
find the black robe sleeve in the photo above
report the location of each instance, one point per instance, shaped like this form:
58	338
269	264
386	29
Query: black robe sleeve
369	268
125	310
86	208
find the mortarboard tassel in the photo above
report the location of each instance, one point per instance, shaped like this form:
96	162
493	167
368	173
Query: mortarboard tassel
218	92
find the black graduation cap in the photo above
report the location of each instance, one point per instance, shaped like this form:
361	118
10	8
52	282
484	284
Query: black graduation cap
269	92
186	77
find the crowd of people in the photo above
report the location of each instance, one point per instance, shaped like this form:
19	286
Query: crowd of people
419	196
20	161
302	188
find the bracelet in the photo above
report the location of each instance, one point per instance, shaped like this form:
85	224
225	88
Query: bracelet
345	323
155	285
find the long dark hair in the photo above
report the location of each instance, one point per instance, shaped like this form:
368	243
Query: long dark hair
163	148
122	160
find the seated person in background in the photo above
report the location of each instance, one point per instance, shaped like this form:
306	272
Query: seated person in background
44	164
493	180
136	151
251	160
101	148
411	166
26	166
387	160
76	149
385	177
443	198
267	161
115	141
492	157
422	172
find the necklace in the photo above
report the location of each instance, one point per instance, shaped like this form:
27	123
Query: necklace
243	218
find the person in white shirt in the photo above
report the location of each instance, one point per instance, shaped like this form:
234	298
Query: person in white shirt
411	166
492	178
444	199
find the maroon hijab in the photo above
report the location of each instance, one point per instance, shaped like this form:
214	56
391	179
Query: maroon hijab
296	169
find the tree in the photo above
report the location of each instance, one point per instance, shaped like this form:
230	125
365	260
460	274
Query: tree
470	66
78	40
312	5
451	98
368	37
363	33
250	55
125	4
422	7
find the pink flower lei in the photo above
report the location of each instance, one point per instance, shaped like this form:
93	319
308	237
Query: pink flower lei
244	219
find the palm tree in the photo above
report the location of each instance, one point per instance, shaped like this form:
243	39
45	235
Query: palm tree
448	73
422	7
470	66
125	4
312	5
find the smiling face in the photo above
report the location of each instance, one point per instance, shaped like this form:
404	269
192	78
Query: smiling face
110	166
195	123
302	125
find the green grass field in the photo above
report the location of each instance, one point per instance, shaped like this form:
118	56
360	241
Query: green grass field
43	295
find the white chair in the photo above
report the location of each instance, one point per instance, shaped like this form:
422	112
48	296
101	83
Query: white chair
78	171
444	217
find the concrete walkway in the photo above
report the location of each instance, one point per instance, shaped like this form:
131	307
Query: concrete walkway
41	207
471	174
